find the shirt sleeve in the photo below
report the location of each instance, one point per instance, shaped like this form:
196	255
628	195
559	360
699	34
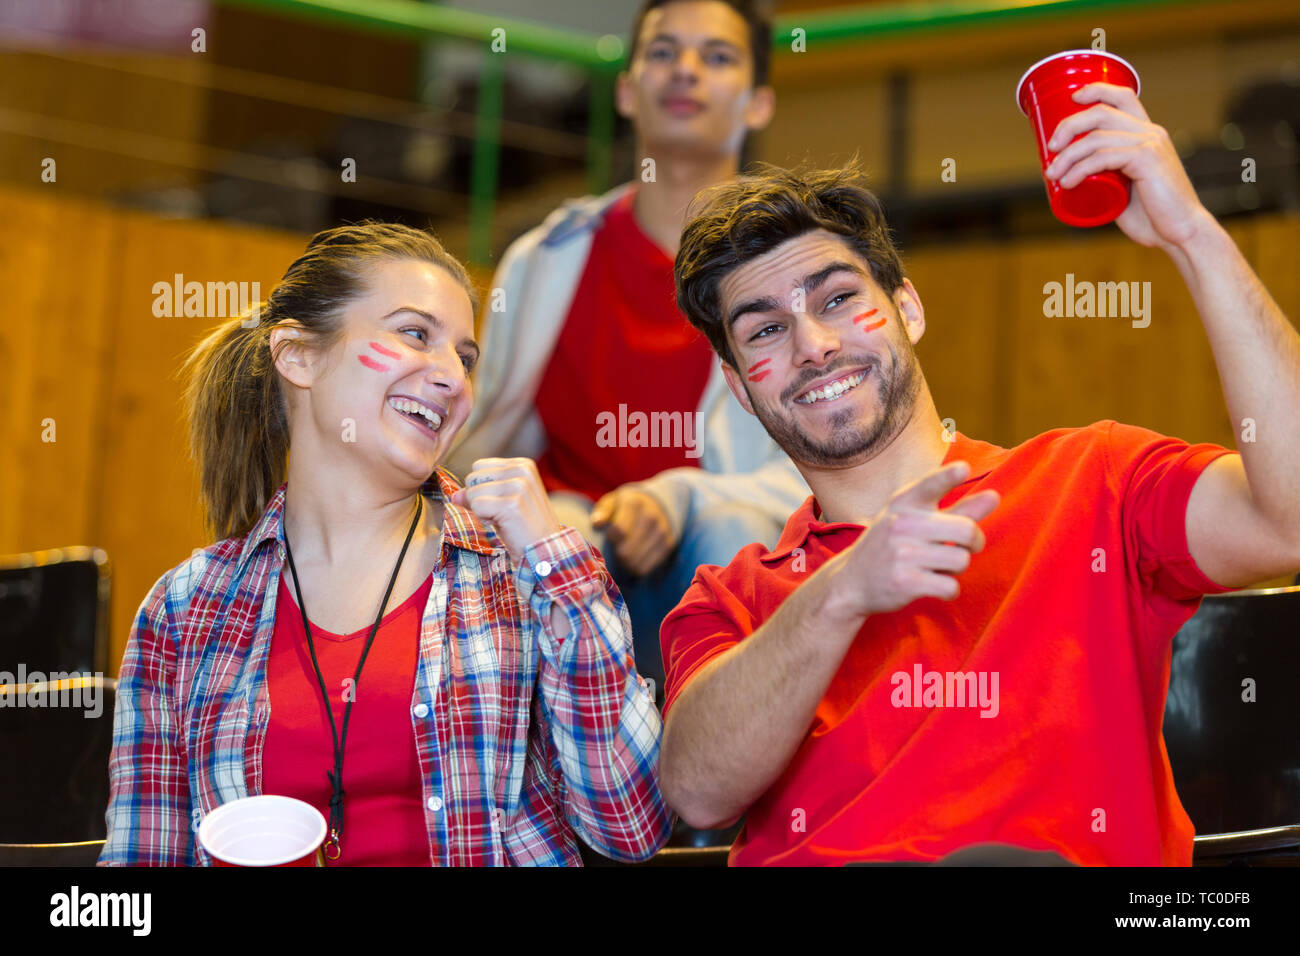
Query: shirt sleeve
775	488
597	712
1156	475
148	816
708	621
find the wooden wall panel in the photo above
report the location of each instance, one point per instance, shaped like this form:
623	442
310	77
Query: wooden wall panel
148	491
56	269
963	290
88	111
1075	370
1275	255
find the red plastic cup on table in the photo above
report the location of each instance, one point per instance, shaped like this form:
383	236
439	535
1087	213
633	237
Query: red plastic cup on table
1044	95
264	831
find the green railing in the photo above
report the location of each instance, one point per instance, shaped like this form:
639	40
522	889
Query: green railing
603	56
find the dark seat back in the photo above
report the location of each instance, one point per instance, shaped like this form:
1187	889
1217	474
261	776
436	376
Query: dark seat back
54	611
57	791
1237	763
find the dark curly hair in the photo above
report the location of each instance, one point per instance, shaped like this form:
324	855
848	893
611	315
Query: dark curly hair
735	222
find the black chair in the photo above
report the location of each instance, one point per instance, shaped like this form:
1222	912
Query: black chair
56	737
1236	763
85	853
1265	104
54	611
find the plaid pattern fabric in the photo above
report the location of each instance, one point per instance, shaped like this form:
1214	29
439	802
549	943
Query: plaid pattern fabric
524	739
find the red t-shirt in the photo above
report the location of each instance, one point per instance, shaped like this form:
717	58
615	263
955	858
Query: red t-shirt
383	811
618	399
1084	580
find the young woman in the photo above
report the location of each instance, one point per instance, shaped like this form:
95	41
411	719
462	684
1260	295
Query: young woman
443	671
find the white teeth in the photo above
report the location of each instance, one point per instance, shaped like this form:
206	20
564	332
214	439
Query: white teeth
833	390
407	405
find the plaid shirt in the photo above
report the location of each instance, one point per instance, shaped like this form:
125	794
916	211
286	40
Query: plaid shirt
523	738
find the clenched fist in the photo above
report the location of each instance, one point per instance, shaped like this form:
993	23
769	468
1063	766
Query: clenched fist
912	549
507	493
637	527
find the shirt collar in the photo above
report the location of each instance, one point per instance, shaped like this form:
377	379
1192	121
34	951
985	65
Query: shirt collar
585	214
461	528
982	456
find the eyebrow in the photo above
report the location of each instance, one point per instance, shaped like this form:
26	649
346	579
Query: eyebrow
437	323
712	41
810	284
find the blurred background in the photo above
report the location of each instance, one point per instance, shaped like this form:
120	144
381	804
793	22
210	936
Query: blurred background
140	140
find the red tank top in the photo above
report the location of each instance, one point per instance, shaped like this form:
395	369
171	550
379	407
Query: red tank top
383	810
627	369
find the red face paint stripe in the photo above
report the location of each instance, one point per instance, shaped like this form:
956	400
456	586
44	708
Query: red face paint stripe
758	364
368	362
761	375
866	315
874	325
383	351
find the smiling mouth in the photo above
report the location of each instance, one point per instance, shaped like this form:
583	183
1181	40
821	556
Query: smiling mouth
675	105
419	414
833	390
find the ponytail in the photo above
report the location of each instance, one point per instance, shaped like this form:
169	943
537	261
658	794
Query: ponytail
239	430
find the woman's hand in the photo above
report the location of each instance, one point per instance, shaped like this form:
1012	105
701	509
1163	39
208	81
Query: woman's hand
507	493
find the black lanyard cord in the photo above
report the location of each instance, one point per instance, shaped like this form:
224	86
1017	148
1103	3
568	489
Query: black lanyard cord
333	846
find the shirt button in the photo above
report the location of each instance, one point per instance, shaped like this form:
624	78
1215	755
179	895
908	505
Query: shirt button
421	710
543	568
499	565
435	804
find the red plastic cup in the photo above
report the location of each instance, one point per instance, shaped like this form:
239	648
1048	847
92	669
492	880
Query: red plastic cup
1043	94
268	830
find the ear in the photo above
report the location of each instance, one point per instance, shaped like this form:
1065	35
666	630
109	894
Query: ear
908	302
291	354
624	95
737	387
762	106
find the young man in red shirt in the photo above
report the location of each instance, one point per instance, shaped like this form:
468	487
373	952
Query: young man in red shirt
589	367
955	643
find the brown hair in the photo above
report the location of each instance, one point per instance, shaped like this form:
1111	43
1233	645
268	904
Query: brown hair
734	222
238	420
754	14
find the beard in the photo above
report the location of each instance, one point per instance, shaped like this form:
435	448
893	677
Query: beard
851	438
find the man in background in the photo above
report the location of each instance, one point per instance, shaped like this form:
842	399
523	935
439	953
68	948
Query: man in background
591	369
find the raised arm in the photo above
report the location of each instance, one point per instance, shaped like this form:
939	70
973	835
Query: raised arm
599	716
1243	517
734	728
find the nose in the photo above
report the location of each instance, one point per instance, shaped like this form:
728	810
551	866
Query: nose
686	65
446	372
815	343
